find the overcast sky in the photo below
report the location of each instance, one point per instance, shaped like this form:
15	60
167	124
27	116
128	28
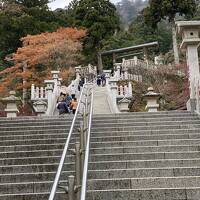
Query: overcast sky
63	3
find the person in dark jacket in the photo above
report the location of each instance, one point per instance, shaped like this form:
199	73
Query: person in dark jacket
62	107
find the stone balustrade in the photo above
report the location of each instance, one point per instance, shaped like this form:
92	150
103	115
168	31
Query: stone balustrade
38	93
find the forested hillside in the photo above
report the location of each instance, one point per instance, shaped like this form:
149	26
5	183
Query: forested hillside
129	9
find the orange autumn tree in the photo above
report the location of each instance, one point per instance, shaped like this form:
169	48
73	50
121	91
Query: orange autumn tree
40	54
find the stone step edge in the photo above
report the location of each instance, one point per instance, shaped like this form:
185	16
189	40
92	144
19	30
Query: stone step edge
104	142
127	126
102	148
92	137
108	170
91	180
94	142
107	123
113	131
36	173
93	155
104	162
143	189
196	118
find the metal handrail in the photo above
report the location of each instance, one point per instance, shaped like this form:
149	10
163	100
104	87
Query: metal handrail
64	154
87	152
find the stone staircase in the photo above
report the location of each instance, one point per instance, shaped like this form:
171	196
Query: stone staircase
133	156
145	156
30	150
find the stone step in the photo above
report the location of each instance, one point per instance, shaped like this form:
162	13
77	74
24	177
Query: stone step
34	160
145	183
143	172
37	141
146	132
142	149
45	135
102	157
158	163
144	115
39	123
58	151
34	168
147	119
144	156
32	147
145	143
146	124
27	187
100	137
190	193
18	154
150	127
102	165
145	137
33	196
34	132
34	177
36	127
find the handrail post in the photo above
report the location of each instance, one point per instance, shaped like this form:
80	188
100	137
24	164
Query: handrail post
78	167
82	145
71	187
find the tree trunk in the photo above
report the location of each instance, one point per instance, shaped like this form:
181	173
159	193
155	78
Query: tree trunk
100	64
175	45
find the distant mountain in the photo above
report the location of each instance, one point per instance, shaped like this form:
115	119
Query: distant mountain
129	9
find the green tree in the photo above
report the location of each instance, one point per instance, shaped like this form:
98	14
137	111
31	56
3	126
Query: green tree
19	18
100	18
168	9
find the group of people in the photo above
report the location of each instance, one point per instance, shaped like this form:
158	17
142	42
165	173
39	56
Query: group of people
101	80
67	104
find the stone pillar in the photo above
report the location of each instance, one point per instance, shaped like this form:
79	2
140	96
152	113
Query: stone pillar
130	89
11	104
118	71
55	75
114	88
190	30
151	98
32	91
107	75
49	89
135	60
78	71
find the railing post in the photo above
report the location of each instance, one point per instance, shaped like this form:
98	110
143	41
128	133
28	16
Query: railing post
71	187
82	145
78	167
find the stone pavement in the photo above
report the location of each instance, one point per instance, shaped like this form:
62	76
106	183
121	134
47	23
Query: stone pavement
101	105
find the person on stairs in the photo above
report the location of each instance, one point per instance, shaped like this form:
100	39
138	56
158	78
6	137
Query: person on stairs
74	105
62	107
73	91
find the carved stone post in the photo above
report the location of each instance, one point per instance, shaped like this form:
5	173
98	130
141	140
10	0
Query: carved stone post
107	75
78	71
55	75
11	104
49	89
190	30
151	98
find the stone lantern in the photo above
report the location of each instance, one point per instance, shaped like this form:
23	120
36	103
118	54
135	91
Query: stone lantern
190	30
151	97
123	105
11	104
